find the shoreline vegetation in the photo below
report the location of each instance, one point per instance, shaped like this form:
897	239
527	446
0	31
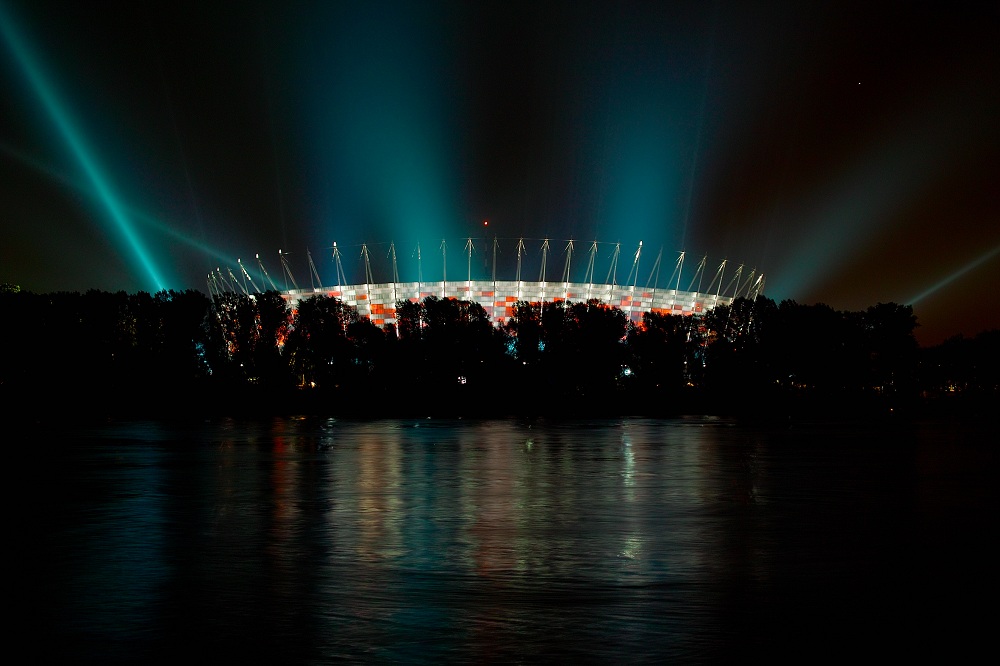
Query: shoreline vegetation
182	354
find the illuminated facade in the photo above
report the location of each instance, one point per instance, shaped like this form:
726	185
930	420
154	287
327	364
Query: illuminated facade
378	301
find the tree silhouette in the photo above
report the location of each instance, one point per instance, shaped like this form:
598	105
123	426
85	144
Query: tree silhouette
889	337
665	355
105	351
183	336
318	348
253	330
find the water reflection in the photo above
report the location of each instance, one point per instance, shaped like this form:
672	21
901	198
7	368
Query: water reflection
427	541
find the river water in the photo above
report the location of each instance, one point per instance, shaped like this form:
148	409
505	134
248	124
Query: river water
306	540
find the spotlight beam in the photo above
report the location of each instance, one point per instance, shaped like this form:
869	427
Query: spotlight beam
74	140
135	214
972	265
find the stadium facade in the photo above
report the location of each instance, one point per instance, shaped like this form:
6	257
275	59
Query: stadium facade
378	300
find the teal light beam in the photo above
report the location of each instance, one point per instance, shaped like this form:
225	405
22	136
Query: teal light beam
74	139
972	265
145	218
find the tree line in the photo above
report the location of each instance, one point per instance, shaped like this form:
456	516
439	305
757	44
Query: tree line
181	352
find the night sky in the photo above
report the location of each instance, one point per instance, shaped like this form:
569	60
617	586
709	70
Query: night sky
849	151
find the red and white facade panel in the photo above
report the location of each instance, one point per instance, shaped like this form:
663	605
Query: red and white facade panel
378	301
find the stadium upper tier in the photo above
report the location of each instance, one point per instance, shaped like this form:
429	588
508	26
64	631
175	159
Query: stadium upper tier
377	300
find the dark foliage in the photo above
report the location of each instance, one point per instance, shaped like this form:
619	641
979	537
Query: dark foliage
180	353
117	352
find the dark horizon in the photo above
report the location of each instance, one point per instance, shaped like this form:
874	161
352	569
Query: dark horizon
179	355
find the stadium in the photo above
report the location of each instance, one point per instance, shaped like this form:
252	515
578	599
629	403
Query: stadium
377	300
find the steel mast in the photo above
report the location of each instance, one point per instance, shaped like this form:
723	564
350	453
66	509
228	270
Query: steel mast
368	266
699	273
341	278
565	276
520	252
395	275
286	269
589	276
247	276
263	272
545	254
469	247
313	273
444	269
614	266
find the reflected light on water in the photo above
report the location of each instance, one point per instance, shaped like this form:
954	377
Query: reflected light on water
307	540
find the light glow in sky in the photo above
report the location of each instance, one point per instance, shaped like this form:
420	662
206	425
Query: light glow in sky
848	150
